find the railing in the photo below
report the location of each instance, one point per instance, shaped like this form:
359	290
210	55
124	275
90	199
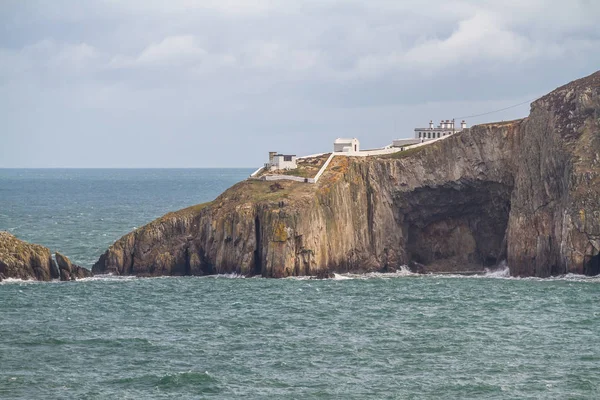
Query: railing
258	171
323	168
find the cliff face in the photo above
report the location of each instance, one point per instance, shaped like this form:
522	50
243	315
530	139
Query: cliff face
22	260
554	224
524	191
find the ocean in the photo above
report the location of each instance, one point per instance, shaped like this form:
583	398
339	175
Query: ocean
380	336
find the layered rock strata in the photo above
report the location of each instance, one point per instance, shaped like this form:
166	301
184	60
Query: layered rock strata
526	192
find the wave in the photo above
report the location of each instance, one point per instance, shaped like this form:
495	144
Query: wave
232	275
498	273
203	382
19	281
504	273
107	277
400	273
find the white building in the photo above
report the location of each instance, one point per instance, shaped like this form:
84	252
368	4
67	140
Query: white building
281	161
346	145
445	128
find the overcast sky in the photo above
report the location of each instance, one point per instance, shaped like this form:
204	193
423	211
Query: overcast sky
219	83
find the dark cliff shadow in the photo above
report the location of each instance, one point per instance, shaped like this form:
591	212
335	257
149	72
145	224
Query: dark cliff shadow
458	226
257	251
591	265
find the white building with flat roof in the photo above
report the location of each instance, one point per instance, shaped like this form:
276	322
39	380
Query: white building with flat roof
445	128
346	145
281	161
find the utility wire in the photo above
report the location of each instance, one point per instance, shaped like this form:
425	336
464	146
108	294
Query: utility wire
495	111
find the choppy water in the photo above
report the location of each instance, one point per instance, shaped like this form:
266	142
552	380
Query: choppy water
354	337
381	337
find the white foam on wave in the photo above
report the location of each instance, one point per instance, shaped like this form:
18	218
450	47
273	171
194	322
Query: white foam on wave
12	281
504	273
232	275
499	273
106	277
402	272
297	278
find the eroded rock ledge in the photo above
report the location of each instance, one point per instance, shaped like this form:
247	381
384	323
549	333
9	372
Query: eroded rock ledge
22	260
524	191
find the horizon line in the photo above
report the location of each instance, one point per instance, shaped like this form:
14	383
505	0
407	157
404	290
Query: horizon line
127	167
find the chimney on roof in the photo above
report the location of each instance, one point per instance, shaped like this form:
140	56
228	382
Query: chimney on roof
431	124
463	125
272	155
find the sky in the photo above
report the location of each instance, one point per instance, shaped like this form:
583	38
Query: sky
220	83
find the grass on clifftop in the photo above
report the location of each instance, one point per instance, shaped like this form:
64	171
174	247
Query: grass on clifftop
257	191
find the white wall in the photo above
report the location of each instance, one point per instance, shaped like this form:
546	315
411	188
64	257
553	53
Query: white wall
279	163
347	146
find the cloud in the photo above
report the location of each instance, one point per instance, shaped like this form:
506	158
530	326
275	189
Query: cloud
291	73
172	51
35	61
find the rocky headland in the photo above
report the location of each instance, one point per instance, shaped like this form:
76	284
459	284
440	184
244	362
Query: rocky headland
22	260
524	192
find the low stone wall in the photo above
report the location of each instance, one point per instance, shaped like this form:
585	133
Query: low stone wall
311	156
287	178
323	168
367	153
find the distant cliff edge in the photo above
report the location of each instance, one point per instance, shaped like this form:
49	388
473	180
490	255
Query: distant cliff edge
526	192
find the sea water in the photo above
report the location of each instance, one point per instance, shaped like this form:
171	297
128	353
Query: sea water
353	337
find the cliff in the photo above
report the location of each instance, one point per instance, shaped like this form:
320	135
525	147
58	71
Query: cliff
523	191
22	260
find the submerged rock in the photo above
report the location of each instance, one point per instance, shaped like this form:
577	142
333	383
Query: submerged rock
324	275
525	191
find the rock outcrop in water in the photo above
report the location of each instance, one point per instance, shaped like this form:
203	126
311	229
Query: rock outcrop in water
70	271
524	191
22	260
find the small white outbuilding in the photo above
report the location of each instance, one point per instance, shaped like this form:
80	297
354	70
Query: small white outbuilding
345	145
281	161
